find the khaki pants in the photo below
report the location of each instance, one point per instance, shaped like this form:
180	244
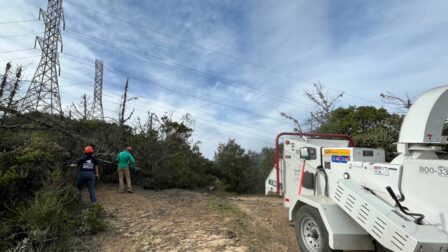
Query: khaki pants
125	173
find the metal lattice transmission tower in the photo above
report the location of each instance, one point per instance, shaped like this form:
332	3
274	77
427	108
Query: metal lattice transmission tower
43	94
97	105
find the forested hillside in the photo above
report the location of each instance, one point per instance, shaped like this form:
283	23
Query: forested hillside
40	207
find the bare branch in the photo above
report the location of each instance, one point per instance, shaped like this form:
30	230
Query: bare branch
390	98
83	111
325	104
298	127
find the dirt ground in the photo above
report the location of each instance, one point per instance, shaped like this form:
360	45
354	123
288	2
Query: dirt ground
181	220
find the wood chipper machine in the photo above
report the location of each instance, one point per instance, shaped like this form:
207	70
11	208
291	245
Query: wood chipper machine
342	197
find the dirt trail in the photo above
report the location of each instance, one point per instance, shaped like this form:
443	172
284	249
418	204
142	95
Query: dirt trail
180	220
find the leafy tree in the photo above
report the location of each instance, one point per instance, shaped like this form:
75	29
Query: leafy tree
369	126
266	162
236	167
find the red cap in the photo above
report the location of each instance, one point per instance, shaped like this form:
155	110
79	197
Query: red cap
88	150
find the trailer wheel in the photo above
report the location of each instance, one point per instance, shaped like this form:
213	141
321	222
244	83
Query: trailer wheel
311	233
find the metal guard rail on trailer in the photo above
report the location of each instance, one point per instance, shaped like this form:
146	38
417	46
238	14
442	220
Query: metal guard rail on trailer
277	165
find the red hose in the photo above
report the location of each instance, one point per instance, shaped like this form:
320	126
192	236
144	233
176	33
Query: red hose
301	177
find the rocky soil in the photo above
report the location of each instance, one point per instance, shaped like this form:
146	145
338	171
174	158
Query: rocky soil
181	220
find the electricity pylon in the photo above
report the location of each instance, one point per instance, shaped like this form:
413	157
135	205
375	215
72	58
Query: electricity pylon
43	94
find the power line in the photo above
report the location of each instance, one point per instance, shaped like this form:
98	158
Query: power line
184	41
164	86
213	128
204	122
184	68
151	101
17	58
21	35
19	50
145	28
73	80
209	123
19	21
76	84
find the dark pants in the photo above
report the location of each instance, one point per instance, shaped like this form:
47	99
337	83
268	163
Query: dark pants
89	178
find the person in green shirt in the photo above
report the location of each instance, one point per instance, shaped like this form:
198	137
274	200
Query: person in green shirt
125	161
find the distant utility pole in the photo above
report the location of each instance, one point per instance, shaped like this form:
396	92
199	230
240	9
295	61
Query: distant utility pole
43	94
97	112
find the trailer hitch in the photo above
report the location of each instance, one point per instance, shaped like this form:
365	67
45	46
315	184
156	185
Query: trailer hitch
420	217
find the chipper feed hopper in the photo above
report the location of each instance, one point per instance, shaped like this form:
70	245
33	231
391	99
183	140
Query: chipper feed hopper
343	197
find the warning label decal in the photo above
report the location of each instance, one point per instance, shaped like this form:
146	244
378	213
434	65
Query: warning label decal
340	159
336	152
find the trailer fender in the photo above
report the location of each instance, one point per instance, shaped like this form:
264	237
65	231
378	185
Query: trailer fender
343	232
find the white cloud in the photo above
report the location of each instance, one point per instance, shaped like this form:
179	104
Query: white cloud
274	49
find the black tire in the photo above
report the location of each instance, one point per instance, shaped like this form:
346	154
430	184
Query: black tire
311	233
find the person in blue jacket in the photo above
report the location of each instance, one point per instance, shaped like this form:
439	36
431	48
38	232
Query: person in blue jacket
88	172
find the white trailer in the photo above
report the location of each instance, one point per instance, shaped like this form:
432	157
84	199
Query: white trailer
348	198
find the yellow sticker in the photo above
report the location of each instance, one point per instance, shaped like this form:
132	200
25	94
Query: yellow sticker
336	152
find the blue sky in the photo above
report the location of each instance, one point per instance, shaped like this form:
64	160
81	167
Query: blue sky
233	65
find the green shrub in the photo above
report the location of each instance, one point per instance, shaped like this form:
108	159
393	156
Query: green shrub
49	220
93	220
40	210
53	219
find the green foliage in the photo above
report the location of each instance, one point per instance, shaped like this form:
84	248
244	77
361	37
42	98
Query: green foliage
242	172
266	162
24	169
92	220
167	159
39	210
369	126
48	219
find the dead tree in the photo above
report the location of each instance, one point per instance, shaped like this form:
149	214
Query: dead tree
147	127
324	104
9	91
122	118
83	111
390	98
12	102
5	79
